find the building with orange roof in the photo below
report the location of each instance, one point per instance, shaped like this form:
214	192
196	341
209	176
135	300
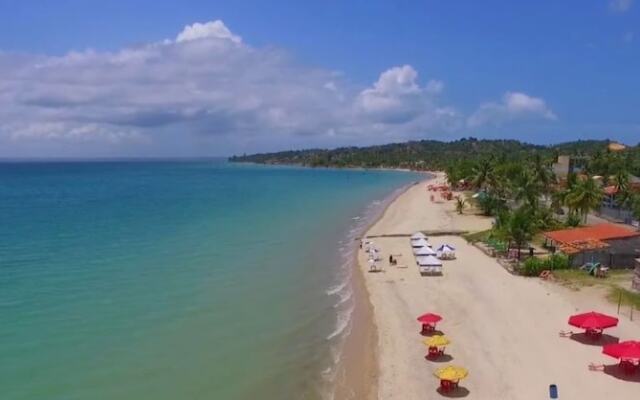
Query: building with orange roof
609	244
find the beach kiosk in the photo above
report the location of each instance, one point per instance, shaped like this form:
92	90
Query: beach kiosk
429	265
425	251
446	252
416	244
418	236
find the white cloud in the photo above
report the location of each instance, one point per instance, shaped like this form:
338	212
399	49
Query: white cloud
213	29
208	86
620	5
397	98
514	106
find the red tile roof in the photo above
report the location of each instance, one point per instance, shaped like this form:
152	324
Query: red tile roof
595	232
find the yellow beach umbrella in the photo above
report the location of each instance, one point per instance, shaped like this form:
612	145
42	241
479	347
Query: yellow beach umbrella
451	373
436	341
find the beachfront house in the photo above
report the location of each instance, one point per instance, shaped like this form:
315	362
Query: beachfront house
611	207
569	164
610	245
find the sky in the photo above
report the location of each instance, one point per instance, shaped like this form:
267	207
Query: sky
211	78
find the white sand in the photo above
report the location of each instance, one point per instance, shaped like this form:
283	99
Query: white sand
504	329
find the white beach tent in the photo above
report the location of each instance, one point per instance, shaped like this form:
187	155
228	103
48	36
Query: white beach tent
428	261
429	265
446	247
446	252
420	243
425	251
418	236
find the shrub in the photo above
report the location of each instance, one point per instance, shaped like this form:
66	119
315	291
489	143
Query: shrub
573	220
534	266
558	261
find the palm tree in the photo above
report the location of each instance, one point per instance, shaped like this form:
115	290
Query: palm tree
542	172
526	189
559	200
518	226
544	218
585	196
482	173
623	194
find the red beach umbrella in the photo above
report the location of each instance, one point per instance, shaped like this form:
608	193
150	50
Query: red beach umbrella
593	321
628	350
428	322
429	318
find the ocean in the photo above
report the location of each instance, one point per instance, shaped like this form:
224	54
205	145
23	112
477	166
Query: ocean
177	279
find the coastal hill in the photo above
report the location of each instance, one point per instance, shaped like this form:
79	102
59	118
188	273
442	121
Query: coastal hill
425	154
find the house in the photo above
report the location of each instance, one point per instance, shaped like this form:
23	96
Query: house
609	244
568	164
611	207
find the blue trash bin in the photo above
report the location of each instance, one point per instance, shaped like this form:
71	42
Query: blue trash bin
553	391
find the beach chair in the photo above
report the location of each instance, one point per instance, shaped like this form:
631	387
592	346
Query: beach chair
434	352
446	386
628	367
601	272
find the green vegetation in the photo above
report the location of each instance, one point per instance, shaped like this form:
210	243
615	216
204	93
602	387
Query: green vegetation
417	155
481	236
625	296
583	197
464	153
534	266
615	284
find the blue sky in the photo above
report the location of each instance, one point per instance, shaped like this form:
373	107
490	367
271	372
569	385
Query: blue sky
95	78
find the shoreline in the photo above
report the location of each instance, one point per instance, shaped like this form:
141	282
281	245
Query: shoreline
357	375
352	168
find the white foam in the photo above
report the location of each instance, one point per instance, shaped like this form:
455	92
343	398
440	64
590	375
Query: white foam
335	289
344	297
343	322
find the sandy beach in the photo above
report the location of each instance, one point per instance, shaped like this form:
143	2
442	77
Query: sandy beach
504	329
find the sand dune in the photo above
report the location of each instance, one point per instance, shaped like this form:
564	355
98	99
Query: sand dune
503	328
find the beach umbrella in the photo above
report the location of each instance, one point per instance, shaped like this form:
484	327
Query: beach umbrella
418	236
425	251
420	243
428	261
628	350
451	373
428	322
436	341
429	318
593	321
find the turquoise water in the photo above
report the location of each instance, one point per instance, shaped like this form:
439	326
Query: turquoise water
176	280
